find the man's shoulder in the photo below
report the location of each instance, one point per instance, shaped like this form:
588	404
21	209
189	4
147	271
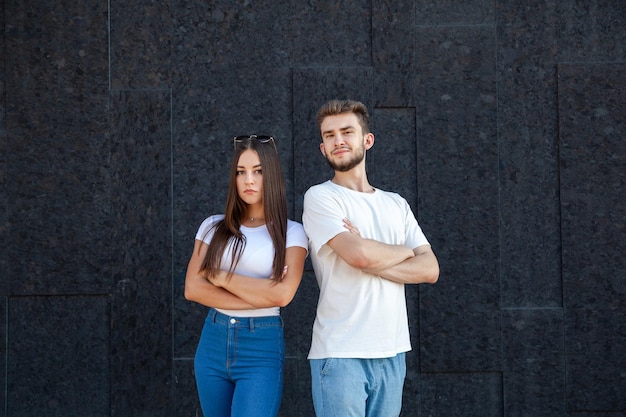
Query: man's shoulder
317	188
325	184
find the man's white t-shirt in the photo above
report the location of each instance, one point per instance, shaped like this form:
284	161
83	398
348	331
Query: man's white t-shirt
359	315
257	257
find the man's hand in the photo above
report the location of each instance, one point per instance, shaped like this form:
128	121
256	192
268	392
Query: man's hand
351	228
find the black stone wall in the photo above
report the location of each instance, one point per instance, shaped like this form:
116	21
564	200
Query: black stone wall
503	123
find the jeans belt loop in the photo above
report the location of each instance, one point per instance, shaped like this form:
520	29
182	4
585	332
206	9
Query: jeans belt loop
251	324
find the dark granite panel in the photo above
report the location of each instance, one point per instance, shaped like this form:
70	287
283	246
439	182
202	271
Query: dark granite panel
331	34
458	197
393	53
452	12
533	357
227	34
459	340
58	187
141	43
3	218
58	356
299	317
592	124
188	319
595	342
597	414
319	85
527	139
53	48
141	200
206	116
3	352
305	401
186	402
413	308
392	161
412	392
291	394
592	31
469	395
56	125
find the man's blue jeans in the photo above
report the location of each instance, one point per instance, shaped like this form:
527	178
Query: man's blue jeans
358	387
239	366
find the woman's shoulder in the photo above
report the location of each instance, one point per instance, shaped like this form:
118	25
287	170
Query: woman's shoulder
293	224
294	227
209	222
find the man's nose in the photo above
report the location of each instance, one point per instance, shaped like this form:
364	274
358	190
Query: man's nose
339	140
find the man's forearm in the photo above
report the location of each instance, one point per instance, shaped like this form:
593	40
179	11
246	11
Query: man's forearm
368	254
421	268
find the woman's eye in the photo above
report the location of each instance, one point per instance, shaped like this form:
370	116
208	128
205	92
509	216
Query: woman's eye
258	171
239	172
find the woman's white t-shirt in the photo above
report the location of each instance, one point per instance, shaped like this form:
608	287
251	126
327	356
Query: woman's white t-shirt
257	257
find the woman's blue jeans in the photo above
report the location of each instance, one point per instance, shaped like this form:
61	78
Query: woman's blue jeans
358	387
239	366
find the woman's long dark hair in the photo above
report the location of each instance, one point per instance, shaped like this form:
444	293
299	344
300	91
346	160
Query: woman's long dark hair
227	231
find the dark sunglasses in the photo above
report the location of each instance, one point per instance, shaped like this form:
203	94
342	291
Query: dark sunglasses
247	138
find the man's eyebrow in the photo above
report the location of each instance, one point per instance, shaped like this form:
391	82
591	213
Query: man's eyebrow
340	129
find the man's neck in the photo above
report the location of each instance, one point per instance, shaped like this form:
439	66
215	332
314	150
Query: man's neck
353	180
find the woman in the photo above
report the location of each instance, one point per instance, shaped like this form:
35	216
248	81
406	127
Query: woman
246	264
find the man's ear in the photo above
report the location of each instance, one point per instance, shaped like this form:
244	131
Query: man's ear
322	149
368	141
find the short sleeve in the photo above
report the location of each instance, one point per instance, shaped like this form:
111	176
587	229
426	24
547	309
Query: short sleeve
205	231
296	235
414	235
322	217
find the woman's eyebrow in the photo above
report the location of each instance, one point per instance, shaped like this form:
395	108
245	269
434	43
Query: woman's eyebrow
255	166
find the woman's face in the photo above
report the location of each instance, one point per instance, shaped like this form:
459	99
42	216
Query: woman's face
250	178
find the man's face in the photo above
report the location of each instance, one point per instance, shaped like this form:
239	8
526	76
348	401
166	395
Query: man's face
343	142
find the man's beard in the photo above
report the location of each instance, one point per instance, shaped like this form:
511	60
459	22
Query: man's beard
348	165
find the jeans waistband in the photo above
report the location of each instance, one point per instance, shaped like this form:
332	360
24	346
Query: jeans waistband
249	322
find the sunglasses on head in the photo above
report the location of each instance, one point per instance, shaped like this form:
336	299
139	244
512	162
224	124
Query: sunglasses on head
247	138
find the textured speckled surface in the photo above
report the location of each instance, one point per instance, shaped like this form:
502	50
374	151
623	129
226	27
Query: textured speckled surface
58	356
141	351
528	168
533	353
593	180
501	123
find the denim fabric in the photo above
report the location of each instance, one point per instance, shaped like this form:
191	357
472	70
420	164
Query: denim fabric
358	387
239	366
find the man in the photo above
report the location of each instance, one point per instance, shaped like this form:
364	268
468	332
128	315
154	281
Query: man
365	244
